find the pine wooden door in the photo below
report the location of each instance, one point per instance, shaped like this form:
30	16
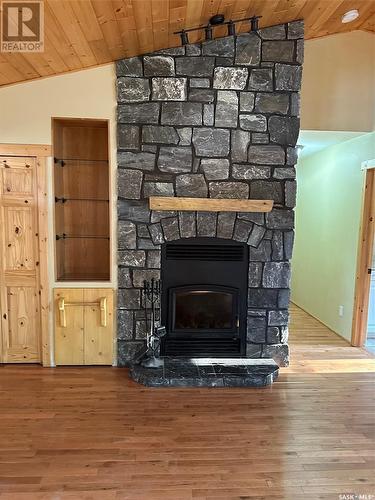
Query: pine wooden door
19	266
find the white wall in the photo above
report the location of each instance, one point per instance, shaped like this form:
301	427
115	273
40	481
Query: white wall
338	85
328	216
27	108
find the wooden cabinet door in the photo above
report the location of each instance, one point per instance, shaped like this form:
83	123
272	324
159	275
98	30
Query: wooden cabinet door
19	272
84	329
98	334
69	333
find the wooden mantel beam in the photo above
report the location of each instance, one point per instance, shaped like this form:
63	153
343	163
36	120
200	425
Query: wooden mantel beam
209	204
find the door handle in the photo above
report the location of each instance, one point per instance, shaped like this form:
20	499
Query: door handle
102	304
103	311
62	315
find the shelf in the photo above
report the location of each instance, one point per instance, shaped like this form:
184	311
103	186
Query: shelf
209	204
82	199
63	161
83	237
84	277
64	200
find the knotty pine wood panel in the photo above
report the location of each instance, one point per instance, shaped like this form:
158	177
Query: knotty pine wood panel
309	436
84	340
69	339
19	234
18	177
23	336
85	33
98	338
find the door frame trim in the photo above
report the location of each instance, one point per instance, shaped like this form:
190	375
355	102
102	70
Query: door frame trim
36	150
40	152
364	260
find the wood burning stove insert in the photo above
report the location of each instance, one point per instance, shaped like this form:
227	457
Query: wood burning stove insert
204	297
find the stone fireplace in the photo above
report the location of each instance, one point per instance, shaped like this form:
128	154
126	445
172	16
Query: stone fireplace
219	119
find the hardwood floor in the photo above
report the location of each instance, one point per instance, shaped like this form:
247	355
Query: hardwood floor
91	433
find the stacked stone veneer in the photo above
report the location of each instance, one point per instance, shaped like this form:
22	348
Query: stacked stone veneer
218	119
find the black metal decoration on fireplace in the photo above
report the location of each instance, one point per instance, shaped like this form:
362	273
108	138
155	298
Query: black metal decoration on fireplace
218	20
151	303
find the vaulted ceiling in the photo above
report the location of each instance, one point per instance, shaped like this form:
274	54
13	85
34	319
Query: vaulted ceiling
84	33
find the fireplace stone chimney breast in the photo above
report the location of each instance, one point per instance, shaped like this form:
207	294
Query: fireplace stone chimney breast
217	119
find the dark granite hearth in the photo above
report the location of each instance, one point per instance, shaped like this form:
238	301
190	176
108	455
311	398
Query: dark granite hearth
207	372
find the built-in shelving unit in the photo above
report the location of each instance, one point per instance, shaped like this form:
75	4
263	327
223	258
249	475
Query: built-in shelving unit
81	181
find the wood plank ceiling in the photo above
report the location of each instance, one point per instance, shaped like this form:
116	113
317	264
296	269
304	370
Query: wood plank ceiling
84	33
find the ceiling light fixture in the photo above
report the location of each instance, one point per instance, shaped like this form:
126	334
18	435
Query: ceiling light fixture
184	37
217	19
208	31
254	23
350	16
231	28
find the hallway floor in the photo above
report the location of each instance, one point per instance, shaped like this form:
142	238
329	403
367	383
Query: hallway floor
370	345
91	433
